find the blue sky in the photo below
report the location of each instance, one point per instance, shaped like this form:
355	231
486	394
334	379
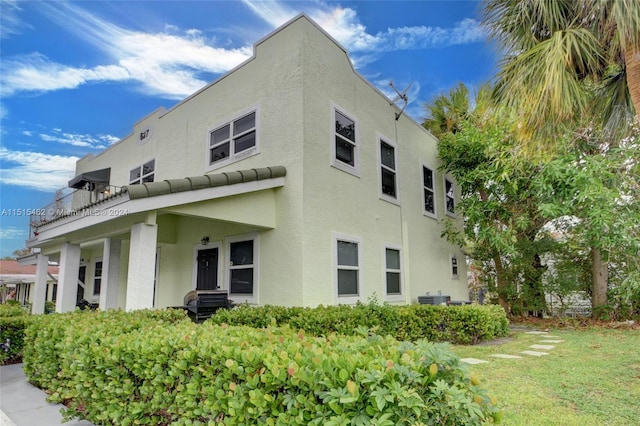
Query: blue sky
76	76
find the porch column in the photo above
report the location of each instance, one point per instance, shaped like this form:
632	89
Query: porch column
40	286
142	266
110	274
68	278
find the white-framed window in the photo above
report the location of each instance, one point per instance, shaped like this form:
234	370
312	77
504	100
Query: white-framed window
345	148
454	266
97	277
428	192
388	171
449	197
348	268
242	267
233	140
394	286
143	174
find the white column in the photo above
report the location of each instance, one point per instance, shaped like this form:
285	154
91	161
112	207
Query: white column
142	266
40	286
68	278
110	274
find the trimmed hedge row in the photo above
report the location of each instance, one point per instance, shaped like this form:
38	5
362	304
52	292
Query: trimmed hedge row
456	324
154	369
13	320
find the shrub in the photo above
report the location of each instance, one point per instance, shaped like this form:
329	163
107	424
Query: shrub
149	373
455	324
13	320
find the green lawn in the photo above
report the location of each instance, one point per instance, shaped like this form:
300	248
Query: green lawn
592	378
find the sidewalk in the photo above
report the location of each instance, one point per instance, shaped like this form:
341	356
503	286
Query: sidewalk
22	404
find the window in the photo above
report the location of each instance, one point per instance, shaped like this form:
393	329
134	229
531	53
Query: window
428	191
97	278
388	170
143	174
232	139
348	263
393	271
449	197
242	261
454	266
344	147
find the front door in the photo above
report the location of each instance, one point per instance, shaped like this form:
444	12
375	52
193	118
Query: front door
207	269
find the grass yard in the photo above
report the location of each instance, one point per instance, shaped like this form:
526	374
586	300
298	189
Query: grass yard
591	378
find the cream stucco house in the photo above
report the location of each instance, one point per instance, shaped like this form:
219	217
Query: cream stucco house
291	180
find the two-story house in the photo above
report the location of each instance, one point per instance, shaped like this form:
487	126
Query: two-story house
291	180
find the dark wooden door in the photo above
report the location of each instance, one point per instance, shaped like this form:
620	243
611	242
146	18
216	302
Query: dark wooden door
207	269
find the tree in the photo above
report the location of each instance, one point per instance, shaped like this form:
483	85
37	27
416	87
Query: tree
556	51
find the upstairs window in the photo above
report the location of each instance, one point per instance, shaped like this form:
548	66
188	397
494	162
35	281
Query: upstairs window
143	174
344	147
232	139
428	192
449	197
388	170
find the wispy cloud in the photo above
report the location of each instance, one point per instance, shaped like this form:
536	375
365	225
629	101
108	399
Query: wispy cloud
12	233
10	22
168	64
82	140
36	170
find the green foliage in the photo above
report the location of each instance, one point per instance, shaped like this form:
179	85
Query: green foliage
13	320
154	369
456	324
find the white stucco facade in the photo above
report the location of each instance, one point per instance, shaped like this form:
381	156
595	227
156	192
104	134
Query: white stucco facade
307	222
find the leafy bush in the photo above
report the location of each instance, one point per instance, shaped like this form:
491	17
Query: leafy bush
456	324
123	369
13	320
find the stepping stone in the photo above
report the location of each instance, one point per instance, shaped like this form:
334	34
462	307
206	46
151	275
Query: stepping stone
551	341
505	356
473	360
545	347
534	353
537	332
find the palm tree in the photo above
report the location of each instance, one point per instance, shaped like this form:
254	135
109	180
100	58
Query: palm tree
557	51
447	112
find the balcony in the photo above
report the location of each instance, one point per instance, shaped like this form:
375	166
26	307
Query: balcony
70	202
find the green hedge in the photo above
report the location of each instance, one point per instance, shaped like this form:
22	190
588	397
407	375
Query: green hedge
455	324
147	369
13	320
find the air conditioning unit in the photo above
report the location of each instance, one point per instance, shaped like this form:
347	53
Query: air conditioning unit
434	300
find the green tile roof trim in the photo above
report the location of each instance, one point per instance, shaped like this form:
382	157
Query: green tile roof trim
171	186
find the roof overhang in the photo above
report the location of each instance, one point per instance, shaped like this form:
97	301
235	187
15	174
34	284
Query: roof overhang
96	176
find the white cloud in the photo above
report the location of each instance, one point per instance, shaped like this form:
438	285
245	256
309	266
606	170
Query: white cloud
36	170
10	23
75	139
166	64
12	233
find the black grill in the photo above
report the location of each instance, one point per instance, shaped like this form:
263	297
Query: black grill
201	304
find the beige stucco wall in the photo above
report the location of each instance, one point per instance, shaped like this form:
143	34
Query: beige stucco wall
295	79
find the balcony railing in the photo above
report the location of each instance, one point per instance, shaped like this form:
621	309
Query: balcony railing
70	204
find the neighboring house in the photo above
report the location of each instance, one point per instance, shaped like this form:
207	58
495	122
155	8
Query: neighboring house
304	186
18	280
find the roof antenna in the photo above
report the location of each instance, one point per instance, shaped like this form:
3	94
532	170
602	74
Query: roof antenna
400	95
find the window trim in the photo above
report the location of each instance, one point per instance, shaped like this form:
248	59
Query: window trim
425	212
446	179
350	299
233	157
242	297
140	167
381	194
393	297
334	162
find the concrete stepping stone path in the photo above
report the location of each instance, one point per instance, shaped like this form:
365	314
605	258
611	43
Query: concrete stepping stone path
534	353
473	361
506	356
543	345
